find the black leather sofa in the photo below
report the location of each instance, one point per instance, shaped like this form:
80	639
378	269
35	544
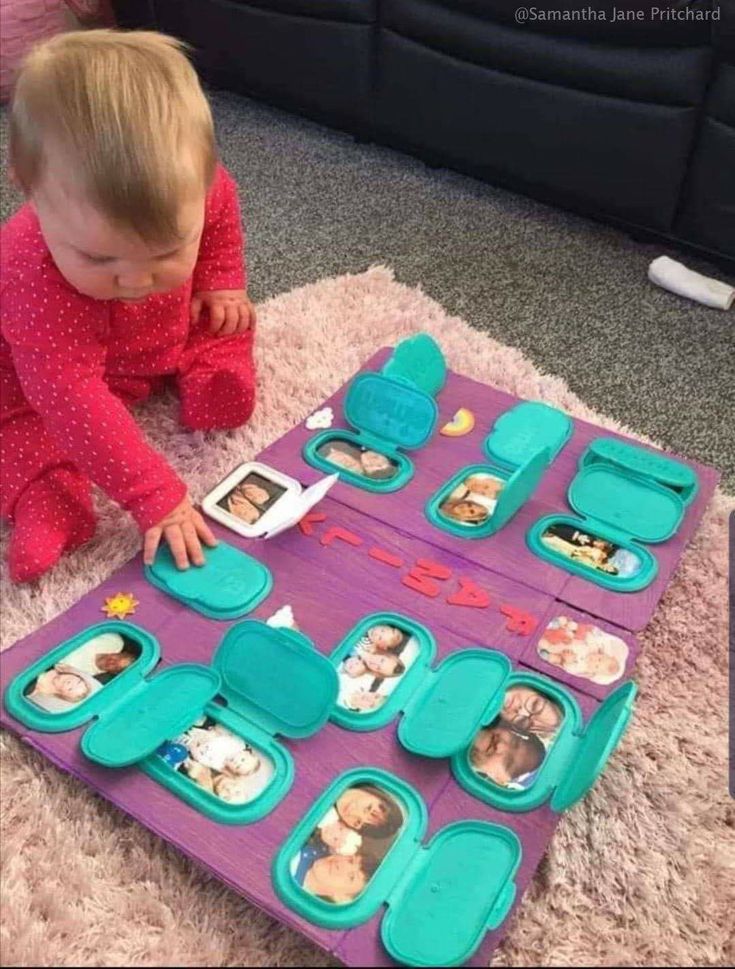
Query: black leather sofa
629	120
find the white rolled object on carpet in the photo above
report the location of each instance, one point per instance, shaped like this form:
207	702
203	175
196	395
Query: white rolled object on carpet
672	275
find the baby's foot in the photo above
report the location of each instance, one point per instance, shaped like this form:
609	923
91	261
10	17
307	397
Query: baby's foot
53	515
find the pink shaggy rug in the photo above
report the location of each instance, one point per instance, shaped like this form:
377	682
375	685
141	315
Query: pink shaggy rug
641	873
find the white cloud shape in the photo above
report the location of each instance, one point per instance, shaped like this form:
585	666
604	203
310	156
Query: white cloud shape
320	420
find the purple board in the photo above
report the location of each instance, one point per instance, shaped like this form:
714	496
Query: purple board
331	584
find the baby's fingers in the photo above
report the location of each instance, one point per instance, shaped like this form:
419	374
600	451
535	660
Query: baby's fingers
193	546
204	531
177	544
150	545
196	308
216	317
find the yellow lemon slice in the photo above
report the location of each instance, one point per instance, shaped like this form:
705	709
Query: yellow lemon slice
462	423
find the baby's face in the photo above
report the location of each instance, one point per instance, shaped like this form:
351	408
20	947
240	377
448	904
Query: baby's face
243	763
354	666
344	460
469	511
103	260
70	687
337	835
488	487
384	637
230	789
364	701
373	462
600	664
381	664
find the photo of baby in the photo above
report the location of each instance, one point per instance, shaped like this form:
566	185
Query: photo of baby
218	761
358	460
510	750
472	502
251	497
348	844
591	551
583	650
374	667
83	672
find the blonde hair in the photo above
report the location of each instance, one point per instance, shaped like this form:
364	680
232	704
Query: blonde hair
131	120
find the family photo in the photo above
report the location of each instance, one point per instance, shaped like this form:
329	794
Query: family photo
83	672
218	761
374	667
359	460
591	551
348	844
510	751
473	500
251	497
583	650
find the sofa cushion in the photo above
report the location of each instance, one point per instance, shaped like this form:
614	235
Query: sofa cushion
362	11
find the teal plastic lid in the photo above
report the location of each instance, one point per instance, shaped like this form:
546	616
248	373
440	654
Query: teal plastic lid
419	360
228	586
390	410
519	488
601	736
157	710
628	502
526	429
668	472
462	886
276	678
443	717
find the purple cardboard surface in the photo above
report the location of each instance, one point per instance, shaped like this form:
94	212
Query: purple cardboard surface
356	554
505	552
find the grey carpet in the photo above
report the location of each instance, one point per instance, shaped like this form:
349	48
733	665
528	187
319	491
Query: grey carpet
571	294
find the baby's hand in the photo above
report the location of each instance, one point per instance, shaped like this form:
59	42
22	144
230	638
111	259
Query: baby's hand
230	310
184	529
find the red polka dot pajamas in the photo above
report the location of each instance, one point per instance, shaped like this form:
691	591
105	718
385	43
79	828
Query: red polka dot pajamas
70	366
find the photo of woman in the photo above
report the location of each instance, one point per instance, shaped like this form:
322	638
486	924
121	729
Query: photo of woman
348	844
251	497
83	672
597	554
473	500
358	460
510	750
374	667
583	650
219	762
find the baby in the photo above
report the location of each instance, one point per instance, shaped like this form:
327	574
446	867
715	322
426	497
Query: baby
466	511
380	665
62	687
125	267
376	465
364	701
337	836
503	755
485	485
343	460
381	638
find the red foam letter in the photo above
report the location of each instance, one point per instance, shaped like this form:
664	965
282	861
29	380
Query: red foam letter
342	534
309	520
380	555
519	621
469	594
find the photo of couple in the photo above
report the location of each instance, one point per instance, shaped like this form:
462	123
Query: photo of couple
510	750
251	498
473	500
591	551
583	650
85	671
218	761
358	460
346	847
374	667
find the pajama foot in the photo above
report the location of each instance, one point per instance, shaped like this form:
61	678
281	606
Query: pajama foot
53	515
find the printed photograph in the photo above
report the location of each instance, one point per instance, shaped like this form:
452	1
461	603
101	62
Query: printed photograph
251	497
510	751
85	671
358	460
217	760
473	500
596	554
346	847
584	650
374	667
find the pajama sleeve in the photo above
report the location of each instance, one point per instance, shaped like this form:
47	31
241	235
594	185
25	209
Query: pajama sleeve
220	264
56	342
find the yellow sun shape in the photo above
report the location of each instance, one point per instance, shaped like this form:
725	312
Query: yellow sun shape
120	606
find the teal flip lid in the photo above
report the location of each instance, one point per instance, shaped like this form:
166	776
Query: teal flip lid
390	410
156	710
460	887
276	678
459	695
228	586
521	485
666	471
418	360
601	736
522	431
631	504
